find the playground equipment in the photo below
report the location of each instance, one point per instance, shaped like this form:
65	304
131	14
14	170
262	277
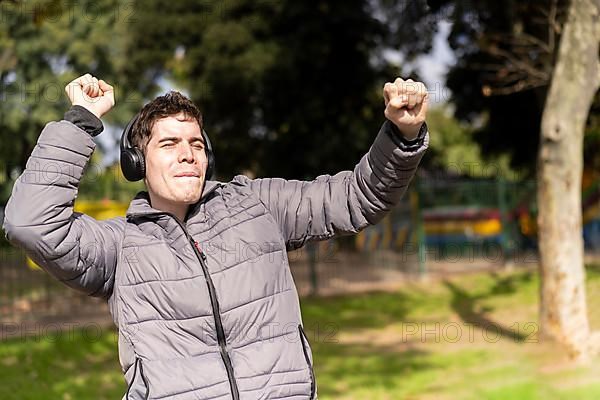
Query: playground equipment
454	213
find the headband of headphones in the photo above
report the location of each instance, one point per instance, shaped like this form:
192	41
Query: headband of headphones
132	160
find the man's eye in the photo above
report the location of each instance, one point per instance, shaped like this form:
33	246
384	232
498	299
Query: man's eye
170	144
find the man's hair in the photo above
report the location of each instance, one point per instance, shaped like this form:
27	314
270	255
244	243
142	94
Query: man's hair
167	105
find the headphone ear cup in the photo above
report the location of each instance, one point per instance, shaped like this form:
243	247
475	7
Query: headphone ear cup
211	164
133	164
210	156
141	167
132	160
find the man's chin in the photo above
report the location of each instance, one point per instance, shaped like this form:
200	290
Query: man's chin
188	200
190	194
191	198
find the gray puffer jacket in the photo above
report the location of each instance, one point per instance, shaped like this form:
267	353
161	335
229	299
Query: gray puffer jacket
205	308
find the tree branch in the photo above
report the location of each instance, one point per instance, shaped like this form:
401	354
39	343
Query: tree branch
519	86
522	64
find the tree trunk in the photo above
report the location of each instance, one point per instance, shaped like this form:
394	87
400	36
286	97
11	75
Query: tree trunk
563	310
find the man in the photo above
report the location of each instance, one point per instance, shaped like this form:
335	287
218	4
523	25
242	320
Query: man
196	275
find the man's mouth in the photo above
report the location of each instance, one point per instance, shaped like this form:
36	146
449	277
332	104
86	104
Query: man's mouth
188	174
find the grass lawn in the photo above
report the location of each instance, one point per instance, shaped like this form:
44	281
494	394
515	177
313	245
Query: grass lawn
468	337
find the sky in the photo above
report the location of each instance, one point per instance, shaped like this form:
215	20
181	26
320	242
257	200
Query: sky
434	66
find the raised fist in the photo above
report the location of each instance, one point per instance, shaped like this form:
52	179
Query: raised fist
95	95
406	105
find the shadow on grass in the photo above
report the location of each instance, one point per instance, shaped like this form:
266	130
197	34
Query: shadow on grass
593	270
372	310
465	304
509	284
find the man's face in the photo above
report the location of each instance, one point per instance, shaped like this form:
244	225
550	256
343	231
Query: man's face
175	162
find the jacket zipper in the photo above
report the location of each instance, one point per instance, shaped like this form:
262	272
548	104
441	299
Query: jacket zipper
310	367
135	366
217	314
135	370
144	380
213	301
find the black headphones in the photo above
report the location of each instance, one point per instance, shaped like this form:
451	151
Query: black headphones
133	164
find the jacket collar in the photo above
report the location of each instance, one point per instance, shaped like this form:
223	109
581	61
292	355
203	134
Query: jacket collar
140	205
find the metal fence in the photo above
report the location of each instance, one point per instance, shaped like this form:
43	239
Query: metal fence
29	294
439	227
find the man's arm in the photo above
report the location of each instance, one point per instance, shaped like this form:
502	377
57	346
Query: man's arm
39	217
352	200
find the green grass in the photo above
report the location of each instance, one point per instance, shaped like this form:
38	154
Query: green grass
469	338
70	364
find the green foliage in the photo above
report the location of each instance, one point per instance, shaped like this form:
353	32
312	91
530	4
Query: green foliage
287	88
43	46
453	149
505	54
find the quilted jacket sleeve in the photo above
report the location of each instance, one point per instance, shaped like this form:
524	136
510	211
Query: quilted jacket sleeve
344	203
39	217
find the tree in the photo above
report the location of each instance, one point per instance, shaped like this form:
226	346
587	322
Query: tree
536	92
287	89
575	80
43	46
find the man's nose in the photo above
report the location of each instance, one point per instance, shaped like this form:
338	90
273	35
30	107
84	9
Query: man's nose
186	154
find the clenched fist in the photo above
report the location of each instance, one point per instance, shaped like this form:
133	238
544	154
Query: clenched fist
95	95
406	105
